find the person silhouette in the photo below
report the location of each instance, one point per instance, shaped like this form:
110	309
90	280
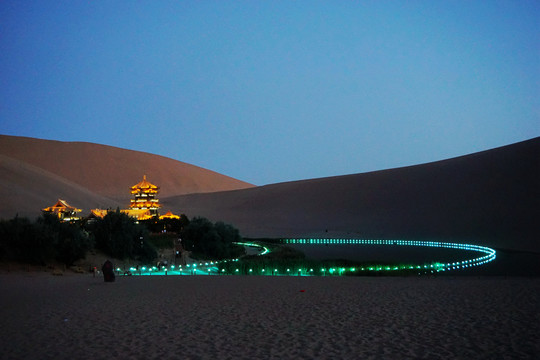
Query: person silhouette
108	271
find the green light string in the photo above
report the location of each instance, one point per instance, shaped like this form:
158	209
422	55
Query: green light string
490	254
213	267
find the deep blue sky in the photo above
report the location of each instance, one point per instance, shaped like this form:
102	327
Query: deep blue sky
271	91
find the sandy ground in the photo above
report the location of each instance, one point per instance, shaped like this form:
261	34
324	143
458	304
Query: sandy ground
235	317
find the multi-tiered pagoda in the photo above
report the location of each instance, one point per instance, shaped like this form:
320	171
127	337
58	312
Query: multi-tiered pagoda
145	197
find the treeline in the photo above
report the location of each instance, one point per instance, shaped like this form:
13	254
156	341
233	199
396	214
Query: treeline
44	240
49	239
116	234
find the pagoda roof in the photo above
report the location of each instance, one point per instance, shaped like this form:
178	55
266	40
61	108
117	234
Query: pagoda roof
169	215
144	185
61	206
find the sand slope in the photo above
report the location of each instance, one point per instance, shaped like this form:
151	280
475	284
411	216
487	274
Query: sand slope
34	173
491	197
110	171
26	189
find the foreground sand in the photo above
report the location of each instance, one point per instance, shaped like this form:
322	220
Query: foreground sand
228	317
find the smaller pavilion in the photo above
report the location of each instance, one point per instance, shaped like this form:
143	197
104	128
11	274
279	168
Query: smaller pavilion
63	210
169	215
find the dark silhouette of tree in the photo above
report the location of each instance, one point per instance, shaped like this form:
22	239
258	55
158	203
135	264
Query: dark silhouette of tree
212	241
44	240
118	235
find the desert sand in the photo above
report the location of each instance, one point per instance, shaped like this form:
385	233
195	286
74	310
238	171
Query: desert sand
243	317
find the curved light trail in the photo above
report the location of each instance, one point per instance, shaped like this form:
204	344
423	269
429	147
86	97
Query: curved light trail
214	268
489	253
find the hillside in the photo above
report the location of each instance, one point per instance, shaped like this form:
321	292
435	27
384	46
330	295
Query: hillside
26	189
34	173
491	197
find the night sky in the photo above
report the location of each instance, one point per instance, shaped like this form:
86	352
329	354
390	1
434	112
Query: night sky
271	91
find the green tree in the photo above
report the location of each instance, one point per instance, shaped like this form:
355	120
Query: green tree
69	241
213	241
72	243
44	240
118	235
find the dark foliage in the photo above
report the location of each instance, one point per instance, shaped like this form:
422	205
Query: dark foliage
118	235
213	241
163	240
156	225
45	240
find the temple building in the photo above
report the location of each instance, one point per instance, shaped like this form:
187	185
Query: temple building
143	206
63	210
145	197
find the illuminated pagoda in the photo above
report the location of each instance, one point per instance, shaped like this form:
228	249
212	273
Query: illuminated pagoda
145	197
63	210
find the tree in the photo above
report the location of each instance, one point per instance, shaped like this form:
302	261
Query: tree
44	240
206	240
119	236
72	243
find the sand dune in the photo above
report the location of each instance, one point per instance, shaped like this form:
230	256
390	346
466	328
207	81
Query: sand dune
491	197
34	173
110	171
26	189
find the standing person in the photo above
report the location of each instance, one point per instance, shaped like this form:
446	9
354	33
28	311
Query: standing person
108	271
